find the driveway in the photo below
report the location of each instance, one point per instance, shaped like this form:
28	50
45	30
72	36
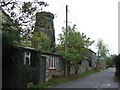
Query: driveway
103	79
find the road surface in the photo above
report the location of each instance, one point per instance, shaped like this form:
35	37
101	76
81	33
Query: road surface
103	79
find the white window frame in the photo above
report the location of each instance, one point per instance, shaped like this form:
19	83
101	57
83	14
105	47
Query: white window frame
52	62
27	56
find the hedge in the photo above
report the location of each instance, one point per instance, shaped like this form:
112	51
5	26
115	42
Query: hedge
117	63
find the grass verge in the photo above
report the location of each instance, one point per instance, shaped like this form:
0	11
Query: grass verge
63	79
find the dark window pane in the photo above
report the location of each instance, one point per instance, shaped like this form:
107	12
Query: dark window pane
27	61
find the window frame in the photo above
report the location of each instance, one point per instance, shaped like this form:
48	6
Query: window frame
27	54
52	62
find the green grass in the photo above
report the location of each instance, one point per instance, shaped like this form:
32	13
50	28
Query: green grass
63	79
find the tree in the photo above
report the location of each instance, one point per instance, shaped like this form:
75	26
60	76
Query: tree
23	14
41	41
10	31
117	63
110	60
102	49
76	45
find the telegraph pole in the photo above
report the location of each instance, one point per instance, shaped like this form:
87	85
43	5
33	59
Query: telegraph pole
66	29
66	69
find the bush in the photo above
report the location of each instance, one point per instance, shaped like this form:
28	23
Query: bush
117	63
24	75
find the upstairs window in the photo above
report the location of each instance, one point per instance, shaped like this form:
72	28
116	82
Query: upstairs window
52	62
27	58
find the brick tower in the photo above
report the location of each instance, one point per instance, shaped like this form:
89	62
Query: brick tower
44	23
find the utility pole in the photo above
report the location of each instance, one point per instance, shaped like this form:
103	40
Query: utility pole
66	69
66	29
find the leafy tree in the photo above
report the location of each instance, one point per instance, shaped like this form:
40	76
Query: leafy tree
23	14
10	31
110	60
102	49
41	41
117	63
76	45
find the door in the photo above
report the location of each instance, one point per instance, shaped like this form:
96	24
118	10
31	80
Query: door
42	69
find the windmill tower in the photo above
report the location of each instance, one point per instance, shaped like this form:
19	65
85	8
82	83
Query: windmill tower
44	23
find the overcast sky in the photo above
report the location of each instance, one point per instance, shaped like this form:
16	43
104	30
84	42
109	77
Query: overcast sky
98	19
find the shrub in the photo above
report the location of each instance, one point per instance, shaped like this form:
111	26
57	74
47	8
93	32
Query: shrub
23	75
117	63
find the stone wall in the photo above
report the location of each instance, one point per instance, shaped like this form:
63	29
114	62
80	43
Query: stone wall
82	69
101	64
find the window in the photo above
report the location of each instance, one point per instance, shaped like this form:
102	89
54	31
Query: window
52	62
27	58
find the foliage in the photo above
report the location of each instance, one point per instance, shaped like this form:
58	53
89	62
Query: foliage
44	20
26	42
110	60
23	12
10	31
102	49
117	63
24	75
76	45
23	15
41	41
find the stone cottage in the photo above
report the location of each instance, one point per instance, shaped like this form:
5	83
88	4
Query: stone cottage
54	65
24	65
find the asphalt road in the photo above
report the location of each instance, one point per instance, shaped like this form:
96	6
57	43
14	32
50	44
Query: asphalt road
103	79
